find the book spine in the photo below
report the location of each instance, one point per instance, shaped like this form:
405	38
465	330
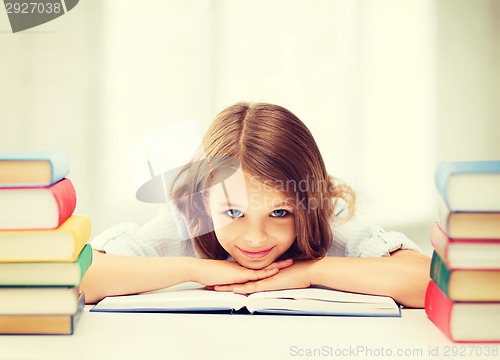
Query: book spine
59	165
443	218
80	232
440	242
442	177
65	195
85	259
438	308
440	273
75	319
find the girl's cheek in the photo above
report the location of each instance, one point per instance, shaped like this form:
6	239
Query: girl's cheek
225	233
221	222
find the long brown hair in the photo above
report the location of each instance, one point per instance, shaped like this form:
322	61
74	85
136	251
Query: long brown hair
273	145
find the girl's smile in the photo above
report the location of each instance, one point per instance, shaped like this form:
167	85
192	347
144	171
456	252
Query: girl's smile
256	254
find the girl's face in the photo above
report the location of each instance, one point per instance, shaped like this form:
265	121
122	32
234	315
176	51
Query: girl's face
253	222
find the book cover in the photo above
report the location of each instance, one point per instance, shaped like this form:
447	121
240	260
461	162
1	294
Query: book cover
469	185
33	168
466	253
46	273
193	298
462	321
62	244
465	285
37	207
53	300
469	224
64	324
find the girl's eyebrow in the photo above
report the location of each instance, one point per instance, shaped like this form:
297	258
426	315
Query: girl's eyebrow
284	203
227	203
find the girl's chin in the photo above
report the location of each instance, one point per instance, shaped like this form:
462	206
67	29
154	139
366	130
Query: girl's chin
254	265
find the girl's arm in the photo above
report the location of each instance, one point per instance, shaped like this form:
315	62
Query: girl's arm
120	275
403	276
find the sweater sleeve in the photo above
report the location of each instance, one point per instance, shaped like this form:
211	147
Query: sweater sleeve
356	238
160	236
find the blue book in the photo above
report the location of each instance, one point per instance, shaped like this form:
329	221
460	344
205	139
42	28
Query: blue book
33	168
469	185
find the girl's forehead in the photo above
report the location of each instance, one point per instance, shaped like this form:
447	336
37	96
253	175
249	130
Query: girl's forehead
241	186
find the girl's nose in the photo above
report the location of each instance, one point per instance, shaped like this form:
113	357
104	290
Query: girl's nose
255	234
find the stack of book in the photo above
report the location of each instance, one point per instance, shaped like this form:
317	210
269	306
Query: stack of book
463	296
43	245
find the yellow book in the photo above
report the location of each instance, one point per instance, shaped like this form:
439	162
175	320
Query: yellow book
61	244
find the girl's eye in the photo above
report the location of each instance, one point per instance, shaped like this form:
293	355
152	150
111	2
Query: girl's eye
279	213
233	213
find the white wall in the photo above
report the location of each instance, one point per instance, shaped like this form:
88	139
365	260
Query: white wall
382	84
468	98
51	94
360	74
333	64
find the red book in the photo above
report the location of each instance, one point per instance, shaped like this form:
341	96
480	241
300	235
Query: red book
37	207
471	253
463	321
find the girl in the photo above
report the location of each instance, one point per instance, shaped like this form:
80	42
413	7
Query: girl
257	212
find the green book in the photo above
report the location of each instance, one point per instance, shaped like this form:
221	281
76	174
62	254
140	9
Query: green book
471	285
440	273
46	273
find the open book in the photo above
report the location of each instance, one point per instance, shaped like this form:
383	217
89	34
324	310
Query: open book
194	298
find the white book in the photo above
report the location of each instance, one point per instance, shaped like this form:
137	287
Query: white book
194	298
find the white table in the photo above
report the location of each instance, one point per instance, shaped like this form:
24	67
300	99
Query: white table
200	336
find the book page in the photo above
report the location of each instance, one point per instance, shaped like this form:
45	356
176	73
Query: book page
25	172
323	294
188	296
321	307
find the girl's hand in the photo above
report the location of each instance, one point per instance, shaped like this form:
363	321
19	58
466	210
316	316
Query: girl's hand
296	276
223	272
